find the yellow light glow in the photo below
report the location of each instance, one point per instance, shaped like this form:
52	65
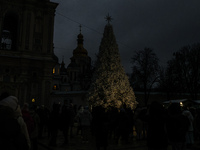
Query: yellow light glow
54	87
54	70
181	104
33	100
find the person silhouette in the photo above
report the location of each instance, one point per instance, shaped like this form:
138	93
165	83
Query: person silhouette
156	133
177	127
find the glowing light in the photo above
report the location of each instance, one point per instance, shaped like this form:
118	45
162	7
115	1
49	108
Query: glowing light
33	100
181	104
54	70
54	87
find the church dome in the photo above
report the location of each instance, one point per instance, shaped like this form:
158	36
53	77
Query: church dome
80	50
80	36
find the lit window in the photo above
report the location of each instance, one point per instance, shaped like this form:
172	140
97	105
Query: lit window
54	70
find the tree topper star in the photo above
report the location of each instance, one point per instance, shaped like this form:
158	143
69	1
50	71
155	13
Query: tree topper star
108	18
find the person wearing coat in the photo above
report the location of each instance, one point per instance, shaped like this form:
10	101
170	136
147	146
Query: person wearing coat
177	127
156	131
85	121
12	102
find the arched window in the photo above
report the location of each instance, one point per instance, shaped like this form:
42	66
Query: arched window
9	31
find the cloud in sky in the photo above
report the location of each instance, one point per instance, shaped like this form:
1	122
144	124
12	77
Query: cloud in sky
163	25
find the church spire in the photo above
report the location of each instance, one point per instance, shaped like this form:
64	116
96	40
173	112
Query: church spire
80	50
80	37
62	63
80	28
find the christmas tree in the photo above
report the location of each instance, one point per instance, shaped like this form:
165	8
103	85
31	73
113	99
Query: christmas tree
110	87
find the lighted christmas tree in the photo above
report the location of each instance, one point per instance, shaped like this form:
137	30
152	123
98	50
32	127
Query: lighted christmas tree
110	87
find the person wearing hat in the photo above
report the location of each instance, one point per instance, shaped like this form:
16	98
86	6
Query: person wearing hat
9	105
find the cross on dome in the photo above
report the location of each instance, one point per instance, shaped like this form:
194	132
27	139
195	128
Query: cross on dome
80	27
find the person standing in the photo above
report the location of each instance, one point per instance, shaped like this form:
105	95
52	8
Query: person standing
156	127
28	118
189	134
77	119
197	125
13	130
85	121
53	124
100	127
177	127
66	120
35	133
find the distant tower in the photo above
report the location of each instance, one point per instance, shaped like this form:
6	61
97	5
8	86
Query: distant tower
26	49
79	69
73	82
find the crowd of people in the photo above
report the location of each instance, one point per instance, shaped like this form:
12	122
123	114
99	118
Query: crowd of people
160	127
175	126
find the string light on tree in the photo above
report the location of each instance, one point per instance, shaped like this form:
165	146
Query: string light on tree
110	86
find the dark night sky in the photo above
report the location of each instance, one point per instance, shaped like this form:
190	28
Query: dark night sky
163	25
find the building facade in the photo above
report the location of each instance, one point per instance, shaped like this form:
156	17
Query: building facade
26	49
72	82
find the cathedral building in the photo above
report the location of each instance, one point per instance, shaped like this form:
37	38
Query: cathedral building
72	82
26	49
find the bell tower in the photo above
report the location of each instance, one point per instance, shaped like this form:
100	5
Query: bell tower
26	49
79	69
